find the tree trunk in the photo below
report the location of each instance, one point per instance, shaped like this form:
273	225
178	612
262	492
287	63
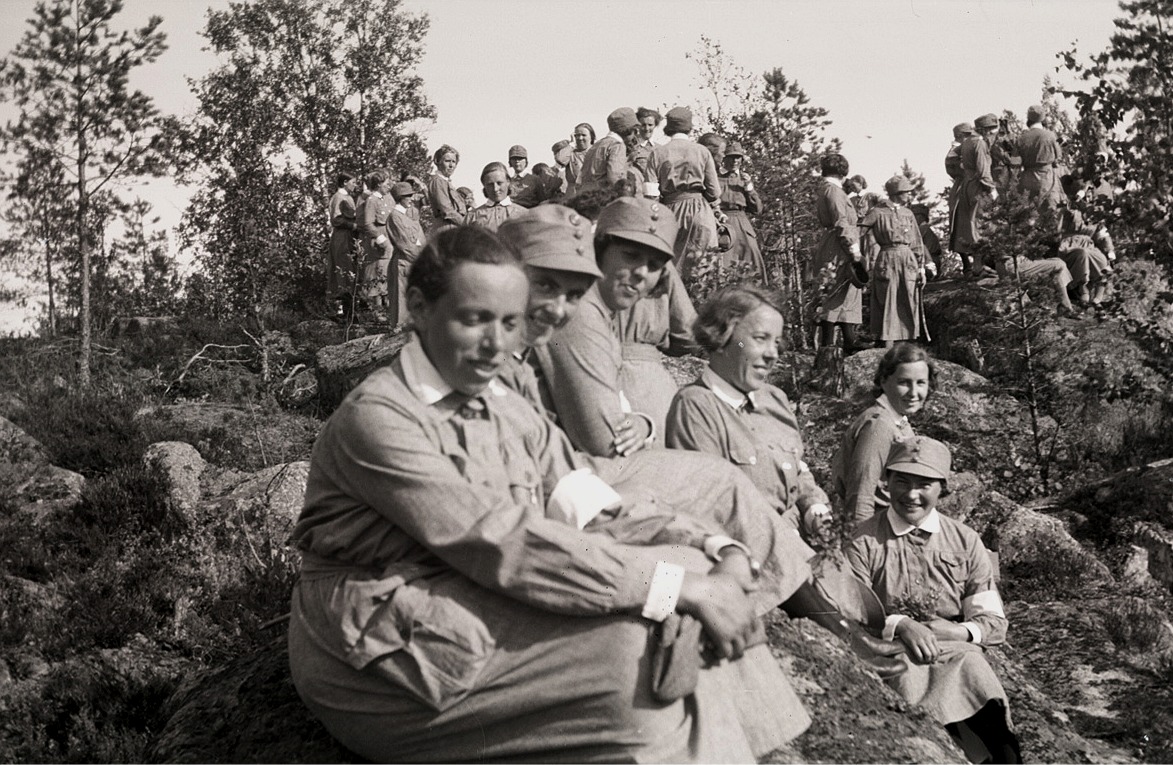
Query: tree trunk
83	362
49	282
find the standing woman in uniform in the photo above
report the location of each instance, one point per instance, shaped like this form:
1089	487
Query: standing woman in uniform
836	256
377	248
448	206
898	275
738	202
340	268
584	138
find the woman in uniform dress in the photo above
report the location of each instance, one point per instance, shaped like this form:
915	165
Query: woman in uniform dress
899	273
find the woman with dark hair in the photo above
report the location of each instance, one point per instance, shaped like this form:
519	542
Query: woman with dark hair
442	615
340	267
905	377
583	139
449	207
837	257
900	269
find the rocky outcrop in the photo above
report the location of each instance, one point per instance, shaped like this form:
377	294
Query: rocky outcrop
269	500
29	485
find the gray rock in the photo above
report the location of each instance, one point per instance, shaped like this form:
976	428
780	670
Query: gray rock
1029	537
17	446
298	389
179	466
1156	545
271	498
46	489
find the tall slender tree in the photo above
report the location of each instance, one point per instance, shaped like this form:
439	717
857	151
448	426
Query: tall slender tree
69	77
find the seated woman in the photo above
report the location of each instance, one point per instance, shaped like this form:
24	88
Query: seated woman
732	412
595	382
1086	248
934	577
905	377
446	610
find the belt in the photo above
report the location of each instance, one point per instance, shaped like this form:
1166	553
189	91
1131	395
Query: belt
733	208
676	197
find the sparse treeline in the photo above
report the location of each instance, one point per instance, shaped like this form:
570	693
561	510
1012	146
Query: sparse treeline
306	88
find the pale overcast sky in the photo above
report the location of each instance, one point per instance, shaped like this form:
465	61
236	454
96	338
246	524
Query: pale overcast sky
895	75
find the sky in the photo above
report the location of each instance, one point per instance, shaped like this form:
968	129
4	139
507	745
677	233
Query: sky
894	75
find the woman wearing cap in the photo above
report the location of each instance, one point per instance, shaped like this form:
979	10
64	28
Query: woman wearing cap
611	398
449	208
838	256
898	273
377	249
688	183
977	189
605	162
905	377
934	577
738	202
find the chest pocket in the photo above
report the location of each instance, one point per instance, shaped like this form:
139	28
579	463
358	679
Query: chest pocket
444	641
521	473
787	465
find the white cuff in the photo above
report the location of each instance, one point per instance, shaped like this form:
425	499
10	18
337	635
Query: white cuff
652	189
651	439
664	592
716	543
380	238
579	496
819	509
890	623
975	632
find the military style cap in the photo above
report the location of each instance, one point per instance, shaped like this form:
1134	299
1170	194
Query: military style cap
961	130
735	150
552	236
921	456
1034	113
678	120
517	150
622	119
897	184
401	190
465	190
639	220
986	121
563	144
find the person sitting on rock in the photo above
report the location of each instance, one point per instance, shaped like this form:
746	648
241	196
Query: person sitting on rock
451	606
935	579
905	377
1085	247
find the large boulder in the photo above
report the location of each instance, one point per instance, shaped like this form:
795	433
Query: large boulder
178	466
16	446
270	499
340	368
231	435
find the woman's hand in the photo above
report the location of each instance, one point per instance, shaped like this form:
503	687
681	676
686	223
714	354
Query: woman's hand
920	641
735	563
631	435
946	630
716	600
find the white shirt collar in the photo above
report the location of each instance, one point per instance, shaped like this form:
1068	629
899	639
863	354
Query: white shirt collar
724	391
614	135
503	203
834	181
400	208
931	523
424	380
376	194
679	137
899	419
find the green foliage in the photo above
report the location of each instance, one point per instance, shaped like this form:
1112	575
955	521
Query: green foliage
69	77
305	89
1126	125
1044	572
1133	624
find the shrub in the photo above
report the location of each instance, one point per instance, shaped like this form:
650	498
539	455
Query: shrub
1045	572
90	434
1133	624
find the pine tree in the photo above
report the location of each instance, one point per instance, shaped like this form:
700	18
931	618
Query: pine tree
69	76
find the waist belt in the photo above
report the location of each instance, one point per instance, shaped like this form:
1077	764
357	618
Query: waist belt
681	195
733	208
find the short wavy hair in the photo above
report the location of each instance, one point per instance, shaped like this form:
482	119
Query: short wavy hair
903	353
644	111
834	166
494	166
375	178
431	273
440	152
718	317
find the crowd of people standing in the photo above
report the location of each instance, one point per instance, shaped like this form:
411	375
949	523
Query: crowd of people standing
522	541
